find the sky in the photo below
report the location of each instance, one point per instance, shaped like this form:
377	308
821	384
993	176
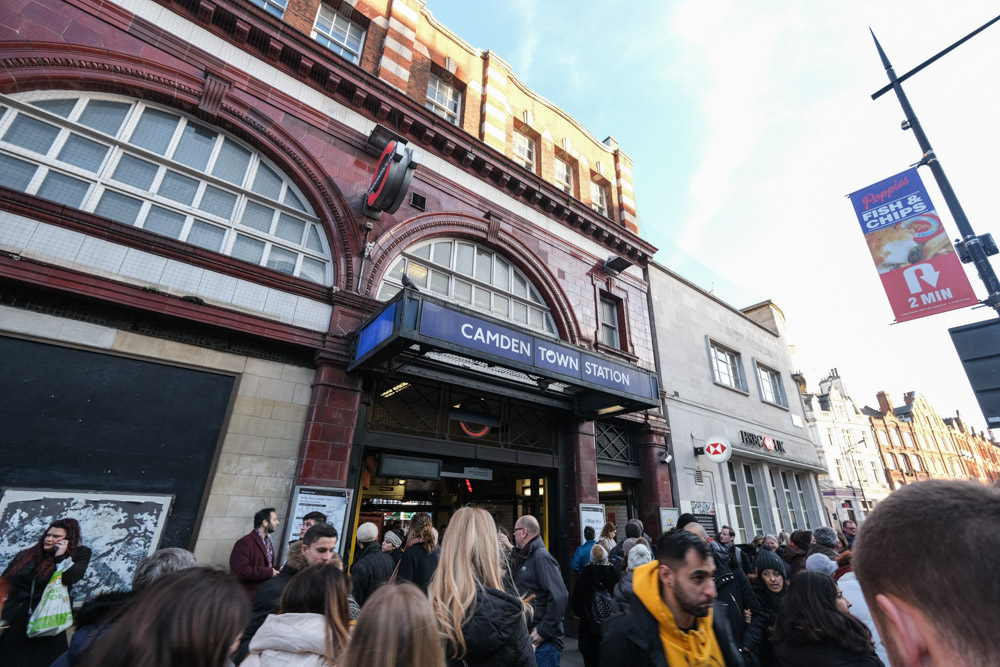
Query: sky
749	123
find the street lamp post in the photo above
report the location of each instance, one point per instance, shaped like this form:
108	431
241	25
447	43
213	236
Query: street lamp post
971	248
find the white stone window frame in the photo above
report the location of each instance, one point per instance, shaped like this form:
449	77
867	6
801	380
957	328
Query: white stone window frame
599	198
341	45
769	383
102	180
732	363
435	271
441	98
274	7
563	172
524	150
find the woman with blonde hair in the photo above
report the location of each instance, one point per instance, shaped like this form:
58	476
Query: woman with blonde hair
396	627
420	555
310	628
479	622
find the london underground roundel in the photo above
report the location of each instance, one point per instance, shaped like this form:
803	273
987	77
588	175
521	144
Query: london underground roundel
718	449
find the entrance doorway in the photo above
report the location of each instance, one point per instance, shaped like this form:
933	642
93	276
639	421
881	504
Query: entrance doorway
504	490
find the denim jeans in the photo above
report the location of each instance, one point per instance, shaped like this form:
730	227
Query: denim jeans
547	655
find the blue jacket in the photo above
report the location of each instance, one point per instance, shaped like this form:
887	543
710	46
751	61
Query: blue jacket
581	557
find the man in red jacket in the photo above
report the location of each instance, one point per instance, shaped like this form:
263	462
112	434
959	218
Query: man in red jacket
252	558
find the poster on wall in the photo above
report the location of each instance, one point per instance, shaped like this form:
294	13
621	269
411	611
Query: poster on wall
334	503
593	516
120	528
918	265
668	518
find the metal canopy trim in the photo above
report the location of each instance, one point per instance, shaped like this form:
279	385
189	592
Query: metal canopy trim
597	384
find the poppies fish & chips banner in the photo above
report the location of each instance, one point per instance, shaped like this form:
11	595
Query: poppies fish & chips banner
918	265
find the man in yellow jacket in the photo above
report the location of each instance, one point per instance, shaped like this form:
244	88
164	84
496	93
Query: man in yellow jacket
670	620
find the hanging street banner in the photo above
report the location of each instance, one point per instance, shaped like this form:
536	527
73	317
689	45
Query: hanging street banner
918	265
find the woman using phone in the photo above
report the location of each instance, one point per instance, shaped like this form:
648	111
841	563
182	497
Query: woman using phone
28	574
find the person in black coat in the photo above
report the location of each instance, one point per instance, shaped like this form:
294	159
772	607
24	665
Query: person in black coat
483	624
28	574
372	566
420	557
599	575
769	589
815	627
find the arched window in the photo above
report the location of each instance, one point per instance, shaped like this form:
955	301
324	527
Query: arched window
154	168
894	436
890	461
904	463
881	438
918	465
473	276
907	439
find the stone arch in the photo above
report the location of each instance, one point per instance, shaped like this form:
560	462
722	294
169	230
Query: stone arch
390	244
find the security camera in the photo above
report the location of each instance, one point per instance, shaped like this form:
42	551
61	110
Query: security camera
665	456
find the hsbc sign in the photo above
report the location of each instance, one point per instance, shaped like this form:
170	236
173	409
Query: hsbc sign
762	442
718	449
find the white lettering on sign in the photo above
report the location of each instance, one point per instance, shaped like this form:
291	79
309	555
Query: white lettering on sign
607	373
558	358
497	340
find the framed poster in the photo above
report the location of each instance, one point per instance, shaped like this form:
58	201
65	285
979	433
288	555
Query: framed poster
334	503
120	528
591	515
668	518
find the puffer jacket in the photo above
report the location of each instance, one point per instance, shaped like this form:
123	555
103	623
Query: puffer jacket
623	592
495	634
290	640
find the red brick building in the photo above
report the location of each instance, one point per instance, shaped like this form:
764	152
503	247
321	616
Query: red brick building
184	243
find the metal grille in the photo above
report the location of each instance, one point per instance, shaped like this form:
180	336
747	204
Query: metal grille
399	406
614	443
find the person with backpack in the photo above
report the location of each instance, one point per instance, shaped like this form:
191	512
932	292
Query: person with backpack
593	602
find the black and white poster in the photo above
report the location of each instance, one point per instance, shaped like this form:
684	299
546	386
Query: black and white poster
120	529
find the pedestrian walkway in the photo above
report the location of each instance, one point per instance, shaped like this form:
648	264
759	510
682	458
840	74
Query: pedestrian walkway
571	654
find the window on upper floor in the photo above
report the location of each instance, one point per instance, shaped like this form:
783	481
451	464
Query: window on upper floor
276	7
154	168
904	463
443	99
727	367
599	198
881	438
907	439
611	330
771	389
918	464
564	176
875	471
473	276
890	461
339	34
894	436
524	150
838	468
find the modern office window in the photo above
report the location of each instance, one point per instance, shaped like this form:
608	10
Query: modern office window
735	489
339	34
276	7
610	328
727	368
443	99
524	150
800	487
472	276
770	386
599	198
564	176
790	500
153	168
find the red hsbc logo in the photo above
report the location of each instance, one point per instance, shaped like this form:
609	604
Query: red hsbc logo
768	444
716	449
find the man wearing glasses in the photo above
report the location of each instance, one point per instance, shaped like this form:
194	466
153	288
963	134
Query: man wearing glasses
536	573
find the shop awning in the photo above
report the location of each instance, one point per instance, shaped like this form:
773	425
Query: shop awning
414	324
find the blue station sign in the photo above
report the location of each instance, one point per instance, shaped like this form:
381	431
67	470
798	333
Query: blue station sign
417	317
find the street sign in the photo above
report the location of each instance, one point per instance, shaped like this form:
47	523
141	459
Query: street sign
718	449
920	270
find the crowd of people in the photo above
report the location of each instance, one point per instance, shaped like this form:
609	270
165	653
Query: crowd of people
483	597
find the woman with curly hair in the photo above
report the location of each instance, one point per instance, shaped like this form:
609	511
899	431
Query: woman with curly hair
28	574
480	622
815	627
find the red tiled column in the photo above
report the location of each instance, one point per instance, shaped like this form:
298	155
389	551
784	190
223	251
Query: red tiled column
584	448
329	429
654	489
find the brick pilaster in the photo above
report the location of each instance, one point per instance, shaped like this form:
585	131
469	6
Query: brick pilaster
584	448
329	428
654	489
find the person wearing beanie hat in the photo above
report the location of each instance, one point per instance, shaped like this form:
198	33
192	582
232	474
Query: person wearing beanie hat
372	566
820	563
826	543
637	555
390	545
769	589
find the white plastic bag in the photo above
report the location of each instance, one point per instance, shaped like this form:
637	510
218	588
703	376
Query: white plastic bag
54	613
